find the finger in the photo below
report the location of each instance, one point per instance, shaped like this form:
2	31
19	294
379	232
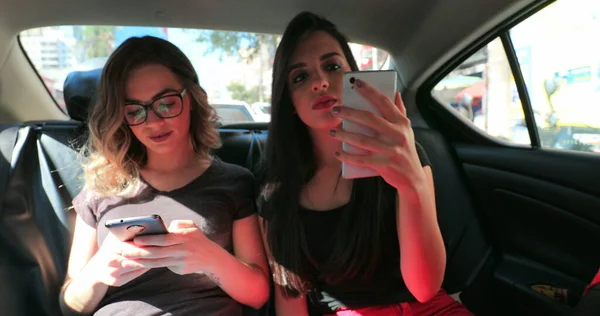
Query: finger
151	252
361	141
369	161
158	263
365	118
135	273
129	265
389	111
181	224
157	240
400	103
126	277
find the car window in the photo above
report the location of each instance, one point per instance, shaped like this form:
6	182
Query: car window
558	56
233	66
229	114
483	90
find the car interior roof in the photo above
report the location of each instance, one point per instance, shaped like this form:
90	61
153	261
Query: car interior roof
419	35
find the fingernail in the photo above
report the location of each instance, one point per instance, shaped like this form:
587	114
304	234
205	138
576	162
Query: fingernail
337	153
359	83
332	132
336	110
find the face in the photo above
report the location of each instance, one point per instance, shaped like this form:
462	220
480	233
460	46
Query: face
315	79
158	85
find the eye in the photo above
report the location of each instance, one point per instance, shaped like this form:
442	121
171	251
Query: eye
299	77
136	114
333	67
162	106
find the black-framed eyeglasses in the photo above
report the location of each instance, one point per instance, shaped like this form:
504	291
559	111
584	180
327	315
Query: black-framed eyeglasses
166	106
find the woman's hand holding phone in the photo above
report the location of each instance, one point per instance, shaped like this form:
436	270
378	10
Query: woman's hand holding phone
184	250
392	150
108	265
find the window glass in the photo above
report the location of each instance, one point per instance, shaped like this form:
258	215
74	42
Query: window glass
234	67
559	55
482	89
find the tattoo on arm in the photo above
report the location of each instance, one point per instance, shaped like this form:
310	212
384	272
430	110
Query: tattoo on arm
254	267
213	277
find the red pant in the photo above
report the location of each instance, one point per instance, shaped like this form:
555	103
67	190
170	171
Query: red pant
440	305
595	282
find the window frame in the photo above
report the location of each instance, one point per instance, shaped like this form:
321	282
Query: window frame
37	73
502	32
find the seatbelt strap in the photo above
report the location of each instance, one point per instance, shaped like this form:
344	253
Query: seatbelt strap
254	141
8	139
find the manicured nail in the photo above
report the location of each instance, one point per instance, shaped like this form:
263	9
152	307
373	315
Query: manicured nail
336	110
359	83
332	132
337	153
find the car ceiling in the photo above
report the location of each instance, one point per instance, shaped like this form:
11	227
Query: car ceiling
421	35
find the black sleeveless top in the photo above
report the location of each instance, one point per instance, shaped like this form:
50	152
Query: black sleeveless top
385	287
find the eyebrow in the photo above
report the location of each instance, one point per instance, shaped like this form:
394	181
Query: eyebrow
323	57
162	92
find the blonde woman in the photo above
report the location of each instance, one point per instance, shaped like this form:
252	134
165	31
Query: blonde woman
151	133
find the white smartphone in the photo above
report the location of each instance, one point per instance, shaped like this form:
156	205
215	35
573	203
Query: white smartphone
384	81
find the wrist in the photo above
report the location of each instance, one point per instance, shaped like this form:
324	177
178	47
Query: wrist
414	187
90	272
209	258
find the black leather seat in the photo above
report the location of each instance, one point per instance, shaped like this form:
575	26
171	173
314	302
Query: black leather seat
45	175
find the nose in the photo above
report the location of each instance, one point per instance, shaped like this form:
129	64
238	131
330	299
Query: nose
153	119
321	83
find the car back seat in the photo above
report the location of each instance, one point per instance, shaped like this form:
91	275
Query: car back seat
36	224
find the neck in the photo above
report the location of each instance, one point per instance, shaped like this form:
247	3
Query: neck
325	147
181	157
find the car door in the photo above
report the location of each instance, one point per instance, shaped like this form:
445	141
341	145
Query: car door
521	107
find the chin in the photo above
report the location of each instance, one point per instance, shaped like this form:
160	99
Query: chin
327	121
161	150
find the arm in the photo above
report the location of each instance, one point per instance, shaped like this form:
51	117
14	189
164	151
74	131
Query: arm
394	155
244	277
423	259
92	270
81	293
187	250
284	306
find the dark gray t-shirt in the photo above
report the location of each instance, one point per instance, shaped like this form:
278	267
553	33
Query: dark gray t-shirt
221	195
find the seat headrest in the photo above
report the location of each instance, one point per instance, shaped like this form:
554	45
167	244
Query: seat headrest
80	92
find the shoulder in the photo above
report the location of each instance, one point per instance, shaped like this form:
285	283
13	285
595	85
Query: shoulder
233	171
234	177
86	198
86	204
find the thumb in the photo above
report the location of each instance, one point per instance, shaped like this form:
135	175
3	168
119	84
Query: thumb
181	224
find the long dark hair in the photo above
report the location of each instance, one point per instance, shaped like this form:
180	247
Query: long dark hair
289	164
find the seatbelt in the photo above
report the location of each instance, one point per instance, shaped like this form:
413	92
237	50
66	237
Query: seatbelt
254	141
8	139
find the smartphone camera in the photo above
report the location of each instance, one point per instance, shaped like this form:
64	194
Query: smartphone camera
352	80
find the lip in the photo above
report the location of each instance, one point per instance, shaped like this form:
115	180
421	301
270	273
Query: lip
159	138
324	102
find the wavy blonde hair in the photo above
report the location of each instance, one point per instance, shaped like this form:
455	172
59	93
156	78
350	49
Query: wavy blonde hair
113	154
